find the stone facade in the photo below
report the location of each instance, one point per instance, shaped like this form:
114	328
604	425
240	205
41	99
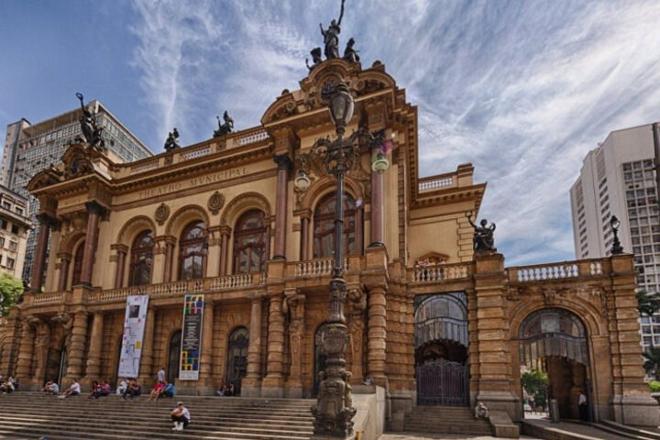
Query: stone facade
411	241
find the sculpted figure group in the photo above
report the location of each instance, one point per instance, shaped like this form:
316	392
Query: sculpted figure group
331	44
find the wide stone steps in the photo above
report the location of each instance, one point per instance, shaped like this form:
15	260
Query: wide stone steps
445	419
31	415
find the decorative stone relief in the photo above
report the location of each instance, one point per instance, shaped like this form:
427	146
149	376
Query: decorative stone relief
162	213
216	202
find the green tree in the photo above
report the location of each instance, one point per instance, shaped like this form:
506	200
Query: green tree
648	303
11	290
652	362
535	382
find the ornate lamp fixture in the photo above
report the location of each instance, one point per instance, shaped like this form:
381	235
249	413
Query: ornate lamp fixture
615	224
334	410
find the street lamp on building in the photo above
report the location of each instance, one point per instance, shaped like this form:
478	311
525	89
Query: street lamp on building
334	410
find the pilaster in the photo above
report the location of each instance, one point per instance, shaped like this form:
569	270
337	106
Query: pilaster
93	368
294	305
147	356
273	384
251	385
76	347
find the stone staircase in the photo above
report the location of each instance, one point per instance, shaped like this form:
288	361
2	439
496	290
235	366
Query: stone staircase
604	430
446	420
26	415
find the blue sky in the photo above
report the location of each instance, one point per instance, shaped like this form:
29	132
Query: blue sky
522	89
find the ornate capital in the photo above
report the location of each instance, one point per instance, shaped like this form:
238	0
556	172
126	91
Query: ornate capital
283	162
93	207
119	248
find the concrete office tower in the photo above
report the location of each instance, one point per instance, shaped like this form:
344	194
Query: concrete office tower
618	178
31	148
14	229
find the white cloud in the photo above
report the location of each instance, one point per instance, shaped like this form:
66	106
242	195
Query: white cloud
521	89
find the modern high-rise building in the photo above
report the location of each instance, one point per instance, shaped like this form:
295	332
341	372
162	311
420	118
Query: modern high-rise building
14	229
618	178
30	148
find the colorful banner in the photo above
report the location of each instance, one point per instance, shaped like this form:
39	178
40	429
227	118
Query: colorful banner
131	346
191	337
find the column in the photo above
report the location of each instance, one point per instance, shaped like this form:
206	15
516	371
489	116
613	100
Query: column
206	360
94	211
147	358
26	350
121	251
93	368
296	307
76	347
304	237
214	252
283	167
225	232
274	382
252	382
376	335
377	209
65	261
42	341
39	261
169	257
8	344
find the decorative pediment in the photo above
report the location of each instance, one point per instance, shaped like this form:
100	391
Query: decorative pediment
324	75
77	161
49	176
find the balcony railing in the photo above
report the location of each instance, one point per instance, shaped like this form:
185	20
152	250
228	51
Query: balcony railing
440	181
317	267
557	271
176	288
440	272
48	298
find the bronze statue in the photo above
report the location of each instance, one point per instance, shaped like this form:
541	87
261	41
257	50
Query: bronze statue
484	240
350	54
316	58
226	127
331	35
92	134
172	141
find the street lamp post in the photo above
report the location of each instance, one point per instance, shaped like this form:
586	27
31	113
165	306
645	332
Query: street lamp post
334	410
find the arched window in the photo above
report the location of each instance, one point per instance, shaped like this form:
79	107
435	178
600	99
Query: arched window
324	226
77	263
239	340
192	251
142	259
250	242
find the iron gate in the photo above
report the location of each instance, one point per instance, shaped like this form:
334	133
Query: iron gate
442	382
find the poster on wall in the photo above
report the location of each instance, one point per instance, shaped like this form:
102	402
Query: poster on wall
131	345
191	337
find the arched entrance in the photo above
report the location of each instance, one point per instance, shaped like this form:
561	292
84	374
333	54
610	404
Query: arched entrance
441	356
174	357
554	362
56	364
319	358
237	357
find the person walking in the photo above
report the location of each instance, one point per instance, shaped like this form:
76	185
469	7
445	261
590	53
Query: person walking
583	406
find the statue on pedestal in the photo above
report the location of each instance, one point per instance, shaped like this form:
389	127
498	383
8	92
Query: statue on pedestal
350	54
172	141
92	134
331	35
484	240
226	127
316	58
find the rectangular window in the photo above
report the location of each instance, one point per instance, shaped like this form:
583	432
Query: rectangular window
13	245
10	263
19	210
6	205
15	229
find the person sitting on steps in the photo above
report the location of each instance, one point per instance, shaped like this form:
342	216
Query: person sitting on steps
180	416
121	388
51	387
133	390
74	390
157	390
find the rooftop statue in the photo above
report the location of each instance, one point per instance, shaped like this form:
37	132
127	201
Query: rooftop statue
92	134
226	127
316	58
350	54
172	141
331	35
484	240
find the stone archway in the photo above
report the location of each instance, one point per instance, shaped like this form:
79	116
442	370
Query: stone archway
554	362
239	340
441	350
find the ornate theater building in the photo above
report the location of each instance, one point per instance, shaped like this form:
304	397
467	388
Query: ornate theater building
245	221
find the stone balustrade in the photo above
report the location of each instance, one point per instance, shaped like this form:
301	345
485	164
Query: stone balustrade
440	272
252	137
317	267
47	298
194	153
437	182
558	271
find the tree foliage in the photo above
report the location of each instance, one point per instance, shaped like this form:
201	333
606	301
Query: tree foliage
652	362
648	303
535	382
11	290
